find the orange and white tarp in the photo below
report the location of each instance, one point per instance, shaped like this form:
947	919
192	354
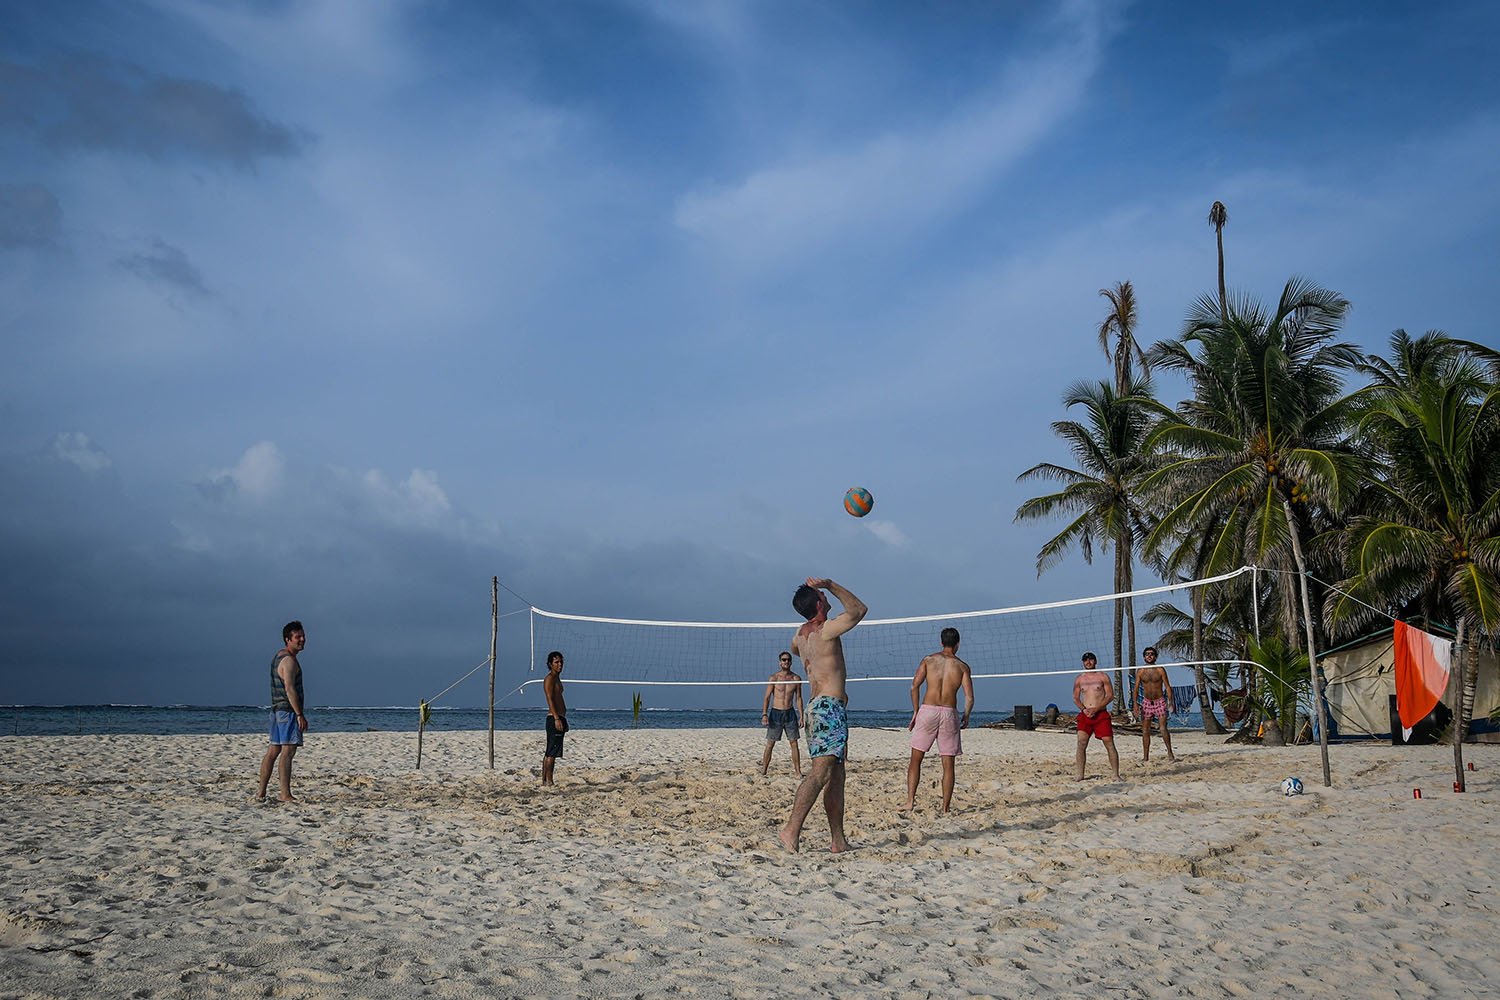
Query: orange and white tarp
1422	665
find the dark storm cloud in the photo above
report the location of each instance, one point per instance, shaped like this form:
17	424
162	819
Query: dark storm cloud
29	216
85	101
167	265
106	596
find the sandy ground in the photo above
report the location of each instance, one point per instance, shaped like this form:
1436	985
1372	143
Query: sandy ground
139	866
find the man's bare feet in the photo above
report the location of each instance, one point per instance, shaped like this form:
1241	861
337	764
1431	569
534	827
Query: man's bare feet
288	798
838	847
789	844
1172	758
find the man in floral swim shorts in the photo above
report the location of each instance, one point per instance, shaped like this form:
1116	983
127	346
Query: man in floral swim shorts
1154	700
822	653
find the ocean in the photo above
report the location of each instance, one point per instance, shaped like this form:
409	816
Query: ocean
175	720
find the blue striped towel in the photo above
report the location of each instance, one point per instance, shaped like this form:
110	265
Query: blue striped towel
1183	696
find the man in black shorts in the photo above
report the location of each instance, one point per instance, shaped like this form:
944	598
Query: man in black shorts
557	714
777	714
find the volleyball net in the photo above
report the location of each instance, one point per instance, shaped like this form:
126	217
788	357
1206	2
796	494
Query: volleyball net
1034	640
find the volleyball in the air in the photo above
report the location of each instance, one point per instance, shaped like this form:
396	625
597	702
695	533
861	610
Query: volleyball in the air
1291	786
858	501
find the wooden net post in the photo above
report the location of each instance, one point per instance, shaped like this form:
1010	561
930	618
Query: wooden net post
494	636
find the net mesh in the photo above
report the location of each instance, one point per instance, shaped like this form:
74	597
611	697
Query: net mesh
1034	640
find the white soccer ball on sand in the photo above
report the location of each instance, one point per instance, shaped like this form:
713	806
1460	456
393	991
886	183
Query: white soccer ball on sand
1291	786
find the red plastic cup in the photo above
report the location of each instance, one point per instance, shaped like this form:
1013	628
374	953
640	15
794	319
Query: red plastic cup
1416	793
1471	765
1458	786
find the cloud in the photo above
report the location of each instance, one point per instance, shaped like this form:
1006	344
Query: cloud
899	179
258	475
1259	56
93	102
887	532
418	500
76	448
29	216
167	265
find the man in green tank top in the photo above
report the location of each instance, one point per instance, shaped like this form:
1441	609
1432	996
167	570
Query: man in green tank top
288	718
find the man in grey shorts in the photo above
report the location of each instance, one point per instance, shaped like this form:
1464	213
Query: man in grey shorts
777	714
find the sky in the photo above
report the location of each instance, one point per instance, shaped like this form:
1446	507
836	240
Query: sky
334	310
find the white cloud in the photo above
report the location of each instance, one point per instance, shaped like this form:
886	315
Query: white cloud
76	448
419	499
258	474
899	180
887	532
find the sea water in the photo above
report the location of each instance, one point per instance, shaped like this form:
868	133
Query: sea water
175	720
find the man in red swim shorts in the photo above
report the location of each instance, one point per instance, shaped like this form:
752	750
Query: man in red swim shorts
1092	693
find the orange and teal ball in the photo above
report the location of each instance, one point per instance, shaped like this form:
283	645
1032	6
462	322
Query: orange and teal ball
858	501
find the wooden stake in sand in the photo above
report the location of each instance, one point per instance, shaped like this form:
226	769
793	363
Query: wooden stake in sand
422	713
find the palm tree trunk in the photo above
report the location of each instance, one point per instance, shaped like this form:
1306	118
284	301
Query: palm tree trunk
1312	655
1469	671
1119	626
1223	307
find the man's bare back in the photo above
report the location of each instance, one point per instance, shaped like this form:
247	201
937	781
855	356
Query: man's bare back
819	645
945	675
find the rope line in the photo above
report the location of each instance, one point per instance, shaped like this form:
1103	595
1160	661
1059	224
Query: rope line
456	683
1351	597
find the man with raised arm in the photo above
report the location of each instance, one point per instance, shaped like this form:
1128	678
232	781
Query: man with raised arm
777	714
1092	692
1153	701
557	715
288	718
822	653
936	717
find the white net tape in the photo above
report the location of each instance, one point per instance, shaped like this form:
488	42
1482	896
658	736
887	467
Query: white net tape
1030	641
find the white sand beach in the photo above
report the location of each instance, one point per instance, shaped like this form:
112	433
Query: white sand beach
139	866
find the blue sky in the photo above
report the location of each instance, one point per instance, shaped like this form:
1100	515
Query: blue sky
333	310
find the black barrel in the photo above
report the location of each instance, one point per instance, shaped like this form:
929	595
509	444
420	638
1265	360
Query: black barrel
1023	717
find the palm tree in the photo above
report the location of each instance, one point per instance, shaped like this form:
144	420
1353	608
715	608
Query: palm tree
1109	447
1218	215
1120	324
1260	450
1432	538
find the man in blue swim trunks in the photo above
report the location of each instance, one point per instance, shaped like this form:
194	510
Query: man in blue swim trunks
288	722
822	652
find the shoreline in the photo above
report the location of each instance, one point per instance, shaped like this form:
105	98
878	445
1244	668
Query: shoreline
139	863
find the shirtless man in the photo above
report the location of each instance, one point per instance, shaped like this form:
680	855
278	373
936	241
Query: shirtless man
288	721
1153	701
936	716
557	715
822	652
1092	692
777	714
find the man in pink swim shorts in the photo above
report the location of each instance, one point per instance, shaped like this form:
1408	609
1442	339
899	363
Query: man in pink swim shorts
935	718
1153	697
